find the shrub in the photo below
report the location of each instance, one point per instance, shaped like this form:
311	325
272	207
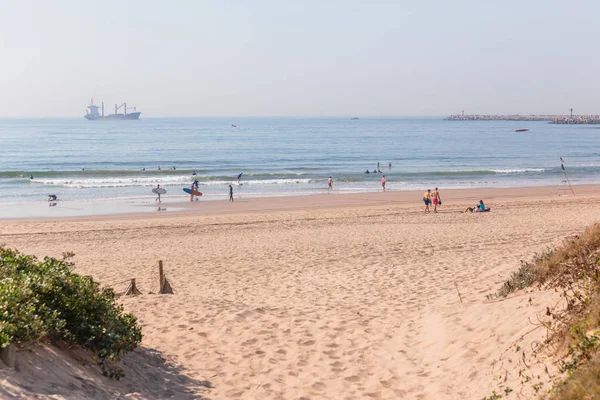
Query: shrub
45	299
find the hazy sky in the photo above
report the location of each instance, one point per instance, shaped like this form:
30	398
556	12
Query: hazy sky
299	58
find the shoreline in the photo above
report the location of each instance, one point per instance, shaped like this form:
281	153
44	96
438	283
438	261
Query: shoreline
451	198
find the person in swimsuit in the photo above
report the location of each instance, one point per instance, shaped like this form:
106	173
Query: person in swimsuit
383	180
192	189
436	199
480	207
230	193
427	200
329	183
158	194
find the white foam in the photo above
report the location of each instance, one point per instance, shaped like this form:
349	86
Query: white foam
517	171
151	181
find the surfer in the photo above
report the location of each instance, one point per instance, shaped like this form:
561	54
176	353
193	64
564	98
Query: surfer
230	193
377	165
30	177
383	180
157	192
143	169
329	183
192	190
240	177
194	173
52	197
159	168
367	172
390	165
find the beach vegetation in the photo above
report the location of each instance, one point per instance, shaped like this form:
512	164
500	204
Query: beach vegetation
573	325
44	299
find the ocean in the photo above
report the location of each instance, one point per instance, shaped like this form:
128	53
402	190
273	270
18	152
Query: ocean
98	161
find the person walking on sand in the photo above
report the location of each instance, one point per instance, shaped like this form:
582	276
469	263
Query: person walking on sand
427	200
435	196
158	194
329	183
192	191
230	193
383	180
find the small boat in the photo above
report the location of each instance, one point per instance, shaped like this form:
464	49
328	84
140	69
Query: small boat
522	130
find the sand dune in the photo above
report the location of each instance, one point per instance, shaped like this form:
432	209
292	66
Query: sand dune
336	300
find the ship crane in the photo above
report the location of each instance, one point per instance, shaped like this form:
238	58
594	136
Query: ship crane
124	106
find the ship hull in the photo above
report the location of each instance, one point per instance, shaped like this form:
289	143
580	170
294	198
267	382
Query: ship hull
113	117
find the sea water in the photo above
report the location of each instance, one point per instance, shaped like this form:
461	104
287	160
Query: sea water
91	161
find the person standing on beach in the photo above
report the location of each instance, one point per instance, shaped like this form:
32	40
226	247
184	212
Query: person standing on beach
427	200
436	199
383	180
329	183
230	193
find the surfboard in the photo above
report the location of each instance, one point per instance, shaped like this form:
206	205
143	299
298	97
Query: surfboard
159	191
189	191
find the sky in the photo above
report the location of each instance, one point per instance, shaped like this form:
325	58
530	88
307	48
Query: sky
299	58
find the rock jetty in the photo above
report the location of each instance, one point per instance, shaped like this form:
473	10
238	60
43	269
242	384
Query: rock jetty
577	119
515	117
553	119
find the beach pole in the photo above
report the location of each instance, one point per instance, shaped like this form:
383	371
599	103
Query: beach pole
565	181
164	285
161	275
132	289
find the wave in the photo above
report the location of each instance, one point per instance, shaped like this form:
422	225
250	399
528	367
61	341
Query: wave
151	181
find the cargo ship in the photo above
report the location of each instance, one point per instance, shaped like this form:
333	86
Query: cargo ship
92	113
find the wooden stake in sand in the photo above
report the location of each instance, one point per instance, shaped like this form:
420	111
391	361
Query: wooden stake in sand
459	296
164	287
132	289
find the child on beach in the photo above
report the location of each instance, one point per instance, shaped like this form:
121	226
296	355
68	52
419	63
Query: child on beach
329	183
427	200
383	180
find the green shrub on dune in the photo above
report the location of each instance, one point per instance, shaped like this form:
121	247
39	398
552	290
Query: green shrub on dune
45	299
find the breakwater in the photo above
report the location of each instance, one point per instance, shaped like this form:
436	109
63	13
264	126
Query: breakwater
577	120
514	117
552	119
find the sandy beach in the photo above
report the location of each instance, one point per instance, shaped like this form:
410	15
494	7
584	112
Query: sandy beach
315	297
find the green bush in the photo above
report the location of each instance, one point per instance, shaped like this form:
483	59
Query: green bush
45	299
